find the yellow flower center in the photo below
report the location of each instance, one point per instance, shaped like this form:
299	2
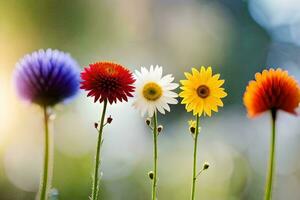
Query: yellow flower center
203	91
152	91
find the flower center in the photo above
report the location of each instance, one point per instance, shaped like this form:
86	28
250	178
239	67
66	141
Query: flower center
152	91
203	91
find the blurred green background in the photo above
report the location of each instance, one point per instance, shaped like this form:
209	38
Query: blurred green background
237	38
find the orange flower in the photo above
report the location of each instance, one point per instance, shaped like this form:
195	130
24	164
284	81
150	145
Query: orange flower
272	90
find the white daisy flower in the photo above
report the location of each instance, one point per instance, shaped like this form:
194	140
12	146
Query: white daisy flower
154	91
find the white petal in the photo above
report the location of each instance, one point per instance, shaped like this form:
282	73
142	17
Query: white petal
137	75
151	110
144	71
160	108
171	86
166	106
167	79
170	94
151	69
171	100
159	71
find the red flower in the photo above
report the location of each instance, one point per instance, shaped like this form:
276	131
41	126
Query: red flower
107	81
272	90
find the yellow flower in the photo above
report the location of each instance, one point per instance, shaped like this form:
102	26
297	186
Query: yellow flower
202	92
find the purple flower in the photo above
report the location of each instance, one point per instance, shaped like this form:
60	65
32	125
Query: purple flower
47	77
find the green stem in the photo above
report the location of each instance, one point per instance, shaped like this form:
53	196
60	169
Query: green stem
154	183
269	181
195	159
44	187
96	180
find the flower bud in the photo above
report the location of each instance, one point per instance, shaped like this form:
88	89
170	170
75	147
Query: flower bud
159	128
192	126
148	121
151	175
96	125
205	166
109	119
192	130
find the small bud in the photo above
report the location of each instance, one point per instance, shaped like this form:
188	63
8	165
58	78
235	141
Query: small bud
148	121
151	175
192	130
159	128
192	125
96	125
109	119
205	166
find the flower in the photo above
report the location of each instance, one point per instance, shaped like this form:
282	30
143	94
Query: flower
154	91
46	77
107	81
272	90
202	91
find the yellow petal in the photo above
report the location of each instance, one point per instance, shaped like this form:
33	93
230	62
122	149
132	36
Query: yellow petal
195	72
207	109
187	75
219	92
208	72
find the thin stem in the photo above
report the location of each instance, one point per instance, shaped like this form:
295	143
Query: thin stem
199	173
45	185
269	181
195	159
96	180
154	183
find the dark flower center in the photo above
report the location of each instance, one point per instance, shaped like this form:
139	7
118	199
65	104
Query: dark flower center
203	91
108	84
